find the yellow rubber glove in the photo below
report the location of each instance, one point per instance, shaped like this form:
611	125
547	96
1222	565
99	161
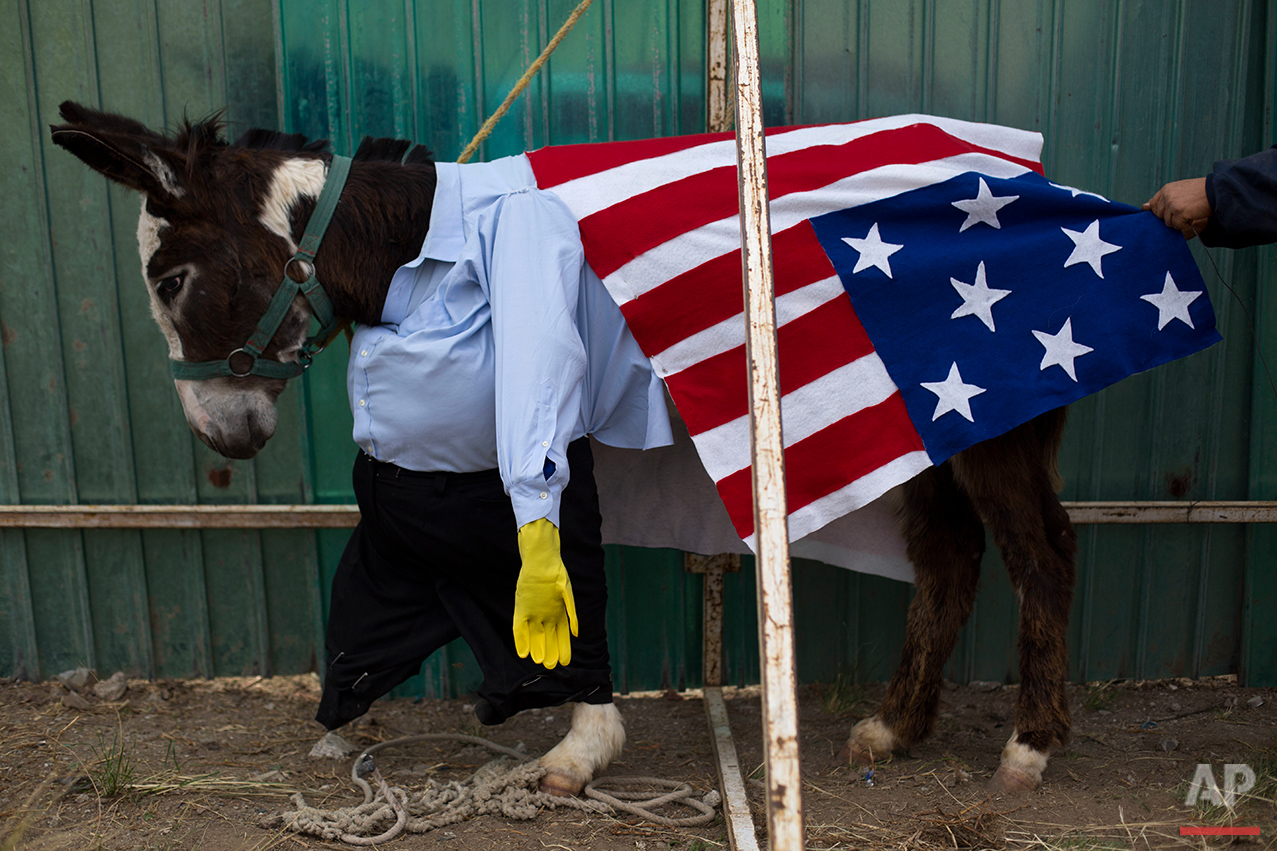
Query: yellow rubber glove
544	610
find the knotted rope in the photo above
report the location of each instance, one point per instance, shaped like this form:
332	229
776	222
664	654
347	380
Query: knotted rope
486	129
505	786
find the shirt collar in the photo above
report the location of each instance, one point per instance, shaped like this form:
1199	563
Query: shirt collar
462	192
446	236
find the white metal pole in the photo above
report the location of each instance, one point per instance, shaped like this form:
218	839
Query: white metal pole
771	534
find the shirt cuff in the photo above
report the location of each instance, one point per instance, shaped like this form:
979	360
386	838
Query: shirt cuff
536	499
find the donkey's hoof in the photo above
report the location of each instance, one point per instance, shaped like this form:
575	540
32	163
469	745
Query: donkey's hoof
857	753
561	785
870	740
1010	779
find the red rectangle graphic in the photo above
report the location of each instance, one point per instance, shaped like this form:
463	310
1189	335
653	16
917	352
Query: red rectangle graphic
1218	831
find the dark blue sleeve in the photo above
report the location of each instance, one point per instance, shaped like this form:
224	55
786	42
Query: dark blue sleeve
1243	200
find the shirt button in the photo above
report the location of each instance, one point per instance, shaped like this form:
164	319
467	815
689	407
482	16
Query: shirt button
545	443
364	353
544	495
362	402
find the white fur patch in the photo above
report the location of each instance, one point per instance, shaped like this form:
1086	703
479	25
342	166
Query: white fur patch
1024	758
148	242
295	179
164	175
875	736
596	738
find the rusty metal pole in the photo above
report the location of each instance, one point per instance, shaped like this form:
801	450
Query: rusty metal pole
771	534
718	103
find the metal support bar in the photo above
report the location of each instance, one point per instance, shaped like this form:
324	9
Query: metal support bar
179	516
767	470
740	824
718	104
346	516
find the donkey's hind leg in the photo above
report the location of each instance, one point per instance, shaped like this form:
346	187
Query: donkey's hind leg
1010	480
945	543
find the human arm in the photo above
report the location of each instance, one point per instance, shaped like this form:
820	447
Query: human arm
1243	195
1232	207
534	274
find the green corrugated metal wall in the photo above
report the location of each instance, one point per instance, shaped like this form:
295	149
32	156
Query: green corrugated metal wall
90	415
1128	95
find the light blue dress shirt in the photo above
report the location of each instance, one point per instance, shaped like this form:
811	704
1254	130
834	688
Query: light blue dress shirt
499	346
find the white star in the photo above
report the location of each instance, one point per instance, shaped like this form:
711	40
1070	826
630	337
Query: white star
983	207
1088	247
1172	303
1074	192
953	395
1060	348
978	299
873	251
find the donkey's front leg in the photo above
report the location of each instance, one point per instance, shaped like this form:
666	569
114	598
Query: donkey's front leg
596	738
945	543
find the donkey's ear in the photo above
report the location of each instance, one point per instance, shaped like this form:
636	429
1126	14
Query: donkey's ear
120	148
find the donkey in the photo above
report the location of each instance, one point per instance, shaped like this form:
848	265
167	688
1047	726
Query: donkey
219	227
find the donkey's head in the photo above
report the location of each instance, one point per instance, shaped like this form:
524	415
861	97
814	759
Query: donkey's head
215	234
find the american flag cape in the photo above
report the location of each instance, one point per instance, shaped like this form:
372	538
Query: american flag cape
933	289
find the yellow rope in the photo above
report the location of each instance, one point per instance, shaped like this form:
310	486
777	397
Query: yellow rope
486	129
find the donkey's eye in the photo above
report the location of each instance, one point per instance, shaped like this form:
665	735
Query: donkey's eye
169	286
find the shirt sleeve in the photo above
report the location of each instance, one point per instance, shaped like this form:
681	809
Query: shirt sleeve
1243	199
533	267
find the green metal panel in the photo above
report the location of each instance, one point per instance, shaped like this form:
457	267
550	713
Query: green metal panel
1128	95
89	410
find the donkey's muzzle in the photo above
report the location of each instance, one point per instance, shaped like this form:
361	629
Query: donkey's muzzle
230	419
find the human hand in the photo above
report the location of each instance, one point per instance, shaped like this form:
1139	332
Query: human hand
1182	205
544	611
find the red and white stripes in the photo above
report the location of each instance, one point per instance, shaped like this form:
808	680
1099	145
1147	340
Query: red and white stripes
658	220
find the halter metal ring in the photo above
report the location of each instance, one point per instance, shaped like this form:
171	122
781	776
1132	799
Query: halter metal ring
252	361
290	262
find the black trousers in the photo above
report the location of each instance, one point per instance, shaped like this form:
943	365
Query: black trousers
435	557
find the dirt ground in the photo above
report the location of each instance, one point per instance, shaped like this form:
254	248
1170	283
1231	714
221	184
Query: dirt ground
199	764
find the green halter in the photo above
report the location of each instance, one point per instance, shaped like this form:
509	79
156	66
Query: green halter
248	359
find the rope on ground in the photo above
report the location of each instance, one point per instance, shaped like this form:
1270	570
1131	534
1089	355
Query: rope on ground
506	786
486	129
682	794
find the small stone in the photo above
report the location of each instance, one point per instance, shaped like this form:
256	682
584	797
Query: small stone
270	704
1255	702
113	688
332	746
75	701
1169	744
1175	707
986	685
77	679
